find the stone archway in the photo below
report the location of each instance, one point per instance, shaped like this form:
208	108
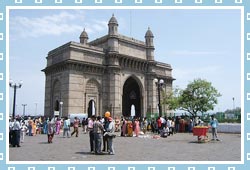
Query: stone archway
56	96
92	96
91	108
131	96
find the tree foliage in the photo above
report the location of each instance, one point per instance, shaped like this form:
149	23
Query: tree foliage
171	99
198	97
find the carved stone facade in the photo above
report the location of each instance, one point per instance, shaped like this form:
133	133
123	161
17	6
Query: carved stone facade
111	73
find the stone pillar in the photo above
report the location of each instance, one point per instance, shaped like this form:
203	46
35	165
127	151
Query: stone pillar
115	92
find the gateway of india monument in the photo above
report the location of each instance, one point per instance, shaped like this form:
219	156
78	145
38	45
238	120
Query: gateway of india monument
112	73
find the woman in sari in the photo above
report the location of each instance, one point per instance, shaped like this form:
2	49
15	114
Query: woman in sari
34	127
124	127
58	126
137	127
129	128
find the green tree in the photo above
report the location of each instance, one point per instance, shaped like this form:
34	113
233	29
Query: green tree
199	97
171	98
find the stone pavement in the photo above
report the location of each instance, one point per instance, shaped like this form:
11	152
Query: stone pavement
179	147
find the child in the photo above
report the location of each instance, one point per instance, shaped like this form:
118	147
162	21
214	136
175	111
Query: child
23	132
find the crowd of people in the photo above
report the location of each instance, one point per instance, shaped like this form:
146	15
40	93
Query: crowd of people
102	130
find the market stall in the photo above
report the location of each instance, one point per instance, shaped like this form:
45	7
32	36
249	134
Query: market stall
201	133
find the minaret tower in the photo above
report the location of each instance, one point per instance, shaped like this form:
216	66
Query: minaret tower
84	37
149	37
113	34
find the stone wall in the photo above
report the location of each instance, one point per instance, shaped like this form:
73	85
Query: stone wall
229	128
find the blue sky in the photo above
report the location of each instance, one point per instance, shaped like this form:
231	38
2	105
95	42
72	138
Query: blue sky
197	43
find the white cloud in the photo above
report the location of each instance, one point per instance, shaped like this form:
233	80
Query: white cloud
65	22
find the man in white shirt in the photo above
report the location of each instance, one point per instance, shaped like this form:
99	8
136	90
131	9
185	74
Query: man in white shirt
91	133
16	133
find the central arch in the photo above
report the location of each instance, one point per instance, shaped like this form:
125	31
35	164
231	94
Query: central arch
91	108
131	97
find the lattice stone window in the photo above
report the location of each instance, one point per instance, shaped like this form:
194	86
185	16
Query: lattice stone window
91	86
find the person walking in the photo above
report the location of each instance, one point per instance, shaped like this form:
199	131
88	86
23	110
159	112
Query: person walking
51	130
45	126
214	125
98	131
84	125
75	126
66	126
58	126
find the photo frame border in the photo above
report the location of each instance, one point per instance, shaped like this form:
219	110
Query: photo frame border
245	83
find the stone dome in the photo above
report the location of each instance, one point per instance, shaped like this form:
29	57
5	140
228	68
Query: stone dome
84	34
149	33
113	20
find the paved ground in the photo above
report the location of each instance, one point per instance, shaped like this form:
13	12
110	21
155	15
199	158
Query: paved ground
180	147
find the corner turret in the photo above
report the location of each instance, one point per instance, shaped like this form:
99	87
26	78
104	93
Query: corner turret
149	37
84	37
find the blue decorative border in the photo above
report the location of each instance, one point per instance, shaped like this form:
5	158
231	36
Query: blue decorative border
200	3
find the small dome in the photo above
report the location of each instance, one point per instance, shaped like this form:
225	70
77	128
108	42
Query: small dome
113	20
84	34
149	33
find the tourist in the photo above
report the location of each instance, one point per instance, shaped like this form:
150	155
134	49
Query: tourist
159	124
45	126
98	131
24	129
173	126
91	133
177	124
30	125
190	125
137	127
129	131
124	127
214	125
75	126
84	125
33	128
105	138
154	128
16	133
11	123
169	125
66	127
198	121
182	124
51	130
117	124
144	125
110	135
164	132
58	126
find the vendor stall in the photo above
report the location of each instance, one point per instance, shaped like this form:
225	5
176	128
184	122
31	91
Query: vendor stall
201	132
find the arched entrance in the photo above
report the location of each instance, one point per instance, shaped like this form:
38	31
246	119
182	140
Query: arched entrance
56	98
131	97
91	108
56	106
